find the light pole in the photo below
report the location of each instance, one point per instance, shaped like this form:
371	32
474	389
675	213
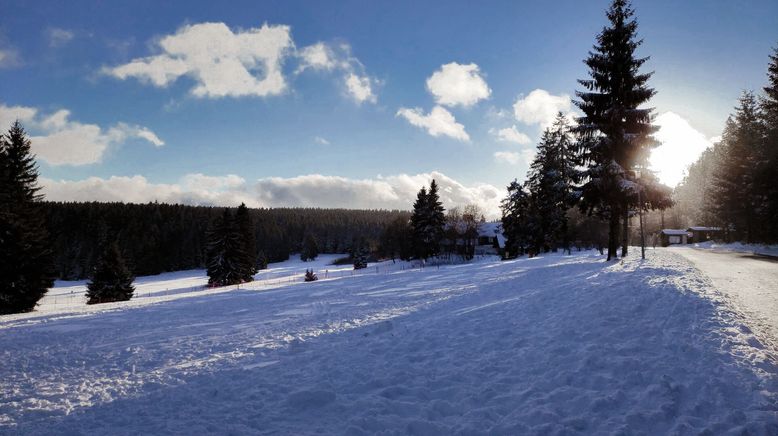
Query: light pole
640	215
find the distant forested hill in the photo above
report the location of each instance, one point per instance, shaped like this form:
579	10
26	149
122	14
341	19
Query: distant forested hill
167	237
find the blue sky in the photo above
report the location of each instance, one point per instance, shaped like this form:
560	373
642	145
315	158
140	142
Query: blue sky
352	104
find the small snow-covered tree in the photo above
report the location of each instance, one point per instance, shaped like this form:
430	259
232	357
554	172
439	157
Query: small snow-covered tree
360	251
111	280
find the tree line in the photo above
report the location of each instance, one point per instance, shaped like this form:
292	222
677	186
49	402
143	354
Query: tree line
734	184
158	237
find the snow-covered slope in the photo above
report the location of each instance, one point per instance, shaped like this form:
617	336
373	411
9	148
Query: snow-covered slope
551	345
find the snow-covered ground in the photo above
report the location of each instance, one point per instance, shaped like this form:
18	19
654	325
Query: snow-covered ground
749	282
768	250
550	345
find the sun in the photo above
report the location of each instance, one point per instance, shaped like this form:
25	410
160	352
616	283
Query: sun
681	145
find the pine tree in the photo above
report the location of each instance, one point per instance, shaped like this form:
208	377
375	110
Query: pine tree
360	251
223	252
261	260
111	279
437	219
310	248
552	185
515	211
614	133
419	225
248	238
768	172
26	261
735	193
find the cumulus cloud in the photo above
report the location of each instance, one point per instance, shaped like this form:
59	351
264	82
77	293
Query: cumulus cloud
233	63
540	107
61	141
58	37
681	145
392	192
438	122
328	57
511	134
318	56
360	88
456	84
222	63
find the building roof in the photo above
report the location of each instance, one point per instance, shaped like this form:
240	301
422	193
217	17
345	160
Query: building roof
674	232
493	229
705	229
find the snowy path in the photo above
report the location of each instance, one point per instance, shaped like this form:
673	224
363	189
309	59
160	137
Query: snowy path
553	345
751	281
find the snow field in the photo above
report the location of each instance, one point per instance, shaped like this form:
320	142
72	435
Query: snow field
550	345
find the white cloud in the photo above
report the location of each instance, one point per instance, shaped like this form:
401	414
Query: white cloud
515	157
318	56
58	37
438	122
360	88
320	140
681	145
328	57
511	134
221	62
61	141
541	107
456	84
393	192
510	157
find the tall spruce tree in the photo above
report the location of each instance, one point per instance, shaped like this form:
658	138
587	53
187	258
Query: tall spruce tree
428	222
111	280
768	173
224	252
248	239
735	192
26	261
614	133
419	225
437	218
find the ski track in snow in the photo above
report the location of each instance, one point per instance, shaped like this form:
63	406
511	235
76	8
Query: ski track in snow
550	345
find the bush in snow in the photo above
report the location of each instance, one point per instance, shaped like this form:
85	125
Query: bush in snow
111	280
310	276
